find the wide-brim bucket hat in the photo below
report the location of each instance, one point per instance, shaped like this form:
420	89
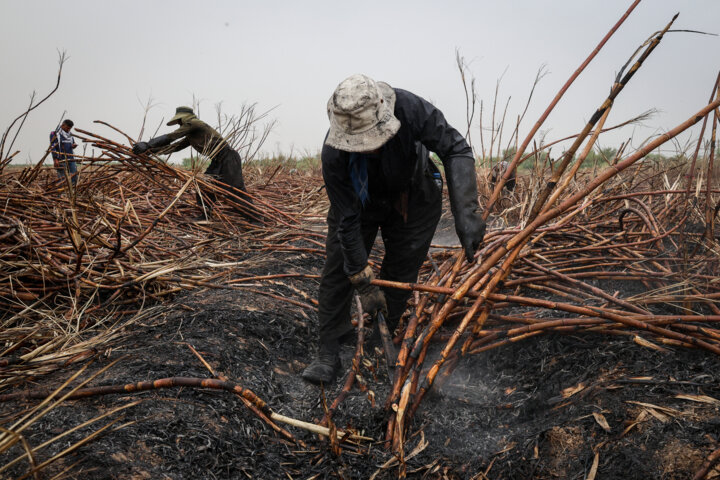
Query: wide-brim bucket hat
182	114
361	115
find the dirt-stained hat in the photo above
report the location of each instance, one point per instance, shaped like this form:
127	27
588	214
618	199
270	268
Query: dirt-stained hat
361	115
181	114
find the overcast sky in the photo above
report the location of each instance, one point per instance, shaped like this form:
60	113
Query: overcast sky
291	55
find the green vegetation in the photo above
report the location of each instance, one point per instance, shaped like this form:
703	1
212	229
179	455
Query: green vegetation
304	162
191	163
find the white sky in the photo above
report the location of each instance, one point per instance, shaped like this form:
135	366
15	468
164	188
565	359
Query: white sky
292	54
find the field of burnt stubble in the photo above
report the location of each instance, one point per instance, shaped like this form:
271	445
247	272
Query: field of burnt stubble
144	337
597	354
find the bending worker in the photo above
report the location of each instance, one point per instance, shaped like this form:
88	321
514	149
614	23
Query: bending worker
225	163
378	175
498	171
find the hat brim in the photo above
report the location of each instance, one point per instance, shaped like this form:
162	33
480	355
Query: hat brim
373	138
178	117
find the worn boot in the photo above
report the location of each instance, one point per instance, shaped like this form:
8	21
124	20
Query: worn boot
325	367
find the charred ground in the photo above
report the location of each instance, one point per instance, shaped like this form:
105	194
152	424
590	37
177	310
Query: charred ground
533	409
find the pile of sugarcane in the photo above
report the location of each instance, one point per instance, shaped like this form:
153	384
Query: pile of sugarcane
622	225
557	281
632	223
75	259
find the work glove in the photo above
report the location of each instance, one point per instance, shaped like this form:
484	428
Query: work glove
470	228
371	297
462	186
140	148
152	144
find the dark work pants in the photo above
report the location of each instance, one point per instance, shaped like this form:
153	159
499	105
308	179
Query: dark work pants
226	169
406	247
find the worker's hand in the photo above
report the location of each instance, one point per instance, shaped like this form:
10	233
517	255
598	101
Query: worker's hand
470	228
371	297
140	147
372	300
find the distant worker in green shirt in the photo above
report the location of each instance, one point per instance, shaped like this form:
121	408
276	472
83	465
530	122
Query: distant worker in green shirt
225	163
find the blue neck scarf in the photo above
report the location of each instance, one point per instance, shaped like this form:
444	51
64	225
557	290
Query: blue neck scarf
359	176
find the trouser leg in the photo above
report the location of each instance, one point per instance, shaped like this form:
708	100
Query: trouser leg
72	171
231	178
406	247
206	198
231	169
336	291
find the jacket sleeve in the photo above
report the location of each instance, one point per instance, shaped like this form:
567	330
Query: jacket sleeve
428	125
180	132
165	142
54	146
177	146
346	208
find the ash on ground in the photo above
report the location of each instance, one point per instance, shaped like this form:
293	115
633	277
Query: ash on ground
544	408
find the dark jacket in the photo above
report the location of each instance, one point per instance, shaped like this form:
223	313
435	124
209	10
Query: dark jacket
197	134
402	166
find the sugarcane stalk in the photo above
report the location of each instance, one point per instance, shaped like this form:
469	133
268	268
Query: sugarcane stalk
540	202
691	172
710	209
188	382
357	358
707	465
518	154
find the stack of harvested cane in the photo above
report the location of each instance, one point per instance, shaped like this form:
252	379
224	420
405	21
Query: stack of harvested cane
79	263
575	233
76	259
